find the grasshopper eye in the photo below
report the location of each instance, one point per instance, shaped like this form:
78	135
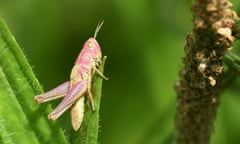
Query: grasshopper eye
90	44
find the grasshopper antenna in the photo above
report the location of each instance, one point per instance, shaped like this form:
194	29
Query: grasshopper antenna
98	28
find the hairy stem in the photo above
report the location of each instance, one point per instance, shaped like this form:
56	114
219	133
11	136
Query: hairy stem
201	77
88	133
22	121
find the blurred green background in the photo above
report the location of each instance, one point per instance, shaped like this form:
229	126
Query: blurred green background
143	40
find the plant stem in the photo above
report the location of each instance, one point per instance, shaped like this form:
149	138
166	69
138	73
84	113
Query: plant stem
88	133
200	85
22	120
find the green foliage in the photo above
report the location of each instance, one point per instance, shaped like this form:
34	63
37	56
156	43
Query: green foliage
22	120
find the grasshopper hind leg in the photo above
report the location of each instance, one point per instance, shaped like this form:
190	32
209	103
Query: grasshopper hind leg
58	92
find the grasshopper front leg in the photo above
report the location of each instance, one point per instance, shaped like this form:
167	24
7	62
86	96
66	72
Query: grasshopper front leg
100	74
89	84
89	91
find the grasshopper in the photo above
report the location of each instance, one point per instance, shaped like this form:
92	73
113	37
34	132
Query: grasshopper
79	85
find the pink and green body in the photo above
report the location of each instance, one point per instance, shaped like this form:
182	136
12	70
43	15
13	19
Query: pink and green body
80	83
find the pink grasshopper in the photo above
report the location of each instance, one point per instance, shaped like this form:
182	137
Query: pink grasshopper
80	83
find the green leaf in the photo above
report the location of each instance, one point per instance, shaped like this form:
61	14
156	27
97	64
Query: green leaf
88	133
22	121
233	61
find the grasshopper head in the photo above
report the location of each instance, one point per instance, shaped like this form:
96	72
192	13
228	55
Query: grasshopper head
91	48
91	51
94	48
